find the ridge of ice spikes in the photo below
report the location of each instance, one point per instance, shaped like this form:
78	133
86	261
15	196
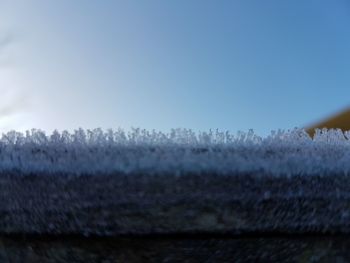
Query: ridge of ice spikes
180	151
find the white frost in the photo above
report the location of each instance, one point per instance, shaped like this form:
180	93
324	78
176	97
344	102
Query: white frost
180	151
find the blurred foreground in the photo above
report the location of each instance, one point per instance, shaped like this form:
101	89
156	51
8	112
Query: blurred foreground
171	249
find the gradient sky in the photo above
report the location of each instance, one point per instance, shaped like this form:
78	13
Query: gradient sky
231	65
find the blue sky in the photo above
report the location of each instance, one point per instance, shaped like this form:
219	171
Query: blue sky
231	65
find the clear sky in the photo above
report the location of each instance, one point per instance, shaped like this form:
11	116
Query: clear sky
231	65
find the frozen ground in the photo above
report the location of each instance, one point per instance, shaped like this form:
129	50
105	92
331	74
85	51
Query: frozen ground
181	151
112	183
79	196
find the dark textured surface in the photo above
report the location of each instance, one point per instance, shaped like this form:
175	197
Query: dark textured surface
166	249
135	204
189	218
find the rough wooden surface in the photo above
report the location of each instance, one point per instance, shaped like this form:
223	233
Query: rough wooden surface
133	218
299	249
117	204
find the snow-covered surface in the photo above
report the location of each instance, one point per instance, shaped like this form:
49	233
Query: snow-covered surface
178	152
133	184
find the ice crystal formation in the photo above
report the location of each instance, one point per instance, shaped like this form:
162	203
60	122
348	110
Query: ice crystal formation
181	151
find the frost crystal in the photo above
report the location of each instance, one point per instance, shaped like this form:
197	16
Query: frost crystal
180	151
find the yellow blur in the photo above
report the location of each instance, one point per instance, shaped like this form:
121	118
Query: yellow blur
340	121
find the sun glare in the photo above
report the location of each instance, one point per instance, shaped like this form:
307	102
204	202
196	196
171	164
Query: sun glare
12	101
